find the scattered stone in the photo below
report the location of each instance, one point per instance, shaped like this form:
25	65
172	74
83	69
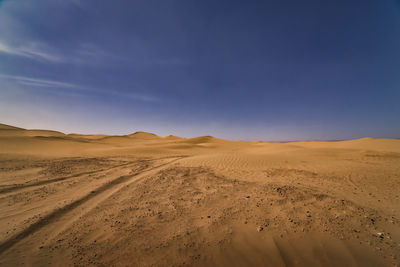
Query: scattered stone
380	235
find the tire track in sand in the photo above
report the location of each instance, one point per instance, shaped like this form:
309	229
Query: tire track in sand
86	203
17	187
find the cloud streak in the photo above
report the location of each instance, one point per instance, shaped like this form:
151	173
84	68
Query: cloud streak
31	52
45	83
38	82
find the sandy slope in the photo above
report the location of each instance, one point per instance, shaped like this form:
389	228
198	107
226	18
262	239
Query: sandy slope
144	200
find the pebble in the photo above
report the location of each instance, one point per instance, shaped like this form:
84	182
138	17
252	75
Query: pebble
380	235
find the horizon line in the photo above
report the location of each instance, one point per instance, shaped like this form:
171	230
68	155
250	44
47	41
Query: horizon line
263	141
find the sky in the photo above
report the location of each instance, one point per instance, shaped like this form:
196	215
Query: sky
272	70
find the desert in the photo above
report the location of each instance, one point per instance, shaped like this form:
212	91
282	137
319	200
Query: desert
199	133
145	200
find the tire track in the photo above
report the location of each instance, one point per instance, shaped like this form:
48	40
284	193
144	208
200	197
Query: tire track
56	214
17	187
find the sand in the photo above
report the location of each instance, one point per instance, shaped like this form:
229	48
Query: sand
145	200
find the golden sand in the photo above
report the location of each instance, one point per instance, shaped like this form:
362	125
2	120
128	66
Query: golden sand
145	200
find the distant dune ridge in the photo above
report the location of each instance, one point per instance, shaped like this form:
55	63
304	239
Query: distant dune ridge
145	200
8	127
15	132
11	130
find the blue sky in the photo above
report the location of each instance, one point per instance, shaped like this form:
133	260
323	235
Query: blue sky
252	70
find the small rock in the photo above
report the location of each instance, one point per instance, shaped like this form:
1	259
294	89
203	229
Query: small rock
260	228
380	235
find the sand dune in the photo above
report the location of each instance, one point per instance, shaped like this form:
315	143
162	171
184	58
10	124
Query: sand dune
6	130
143	135
9	127
145	200
172	137
87	136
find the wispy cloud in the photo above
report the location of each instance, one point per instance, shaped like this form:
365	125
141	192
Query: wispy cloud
91	50
88	53
29	82
32	51
38	82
